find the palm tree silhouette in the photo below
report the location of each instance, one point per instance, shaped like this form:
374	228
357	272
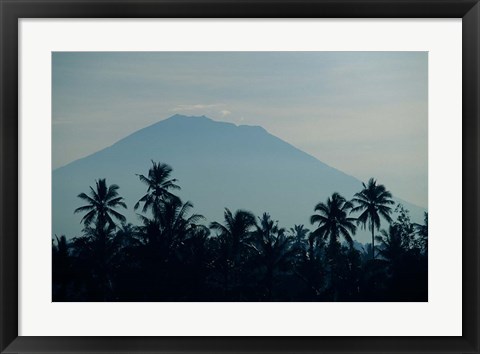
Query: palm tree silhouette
61	264
272	249
100	249
162	239
171	256
175	223
232	235
373	201
99	227
159	183
101	203
167	231
299	233
333	220
391	243
236	229
422	232
300	241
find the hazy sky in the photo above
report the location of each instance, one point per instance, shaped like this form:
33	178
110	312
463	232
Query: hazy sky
364	113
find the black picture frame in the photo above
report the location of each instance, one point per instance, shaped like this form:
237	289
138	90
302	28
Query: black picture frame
12	10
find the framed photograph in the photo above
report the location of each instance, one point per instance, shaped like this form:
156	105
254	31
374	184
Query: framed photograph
233	176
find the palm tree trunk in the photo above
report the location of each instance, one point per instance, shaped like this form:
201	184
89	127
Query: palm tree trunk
225	284
269	283
373	242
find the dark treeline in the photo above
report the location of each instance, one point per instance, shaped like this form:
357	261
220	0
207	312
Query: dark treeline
173	256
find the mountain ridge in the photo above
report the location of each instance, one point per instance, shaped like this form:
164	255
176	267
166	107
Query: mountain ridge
205	118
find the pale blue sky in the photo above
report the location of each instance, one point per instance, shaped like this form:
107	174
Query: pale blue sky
364	113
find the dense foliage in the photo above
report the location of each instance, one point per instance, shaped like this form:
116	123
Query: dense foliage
173	256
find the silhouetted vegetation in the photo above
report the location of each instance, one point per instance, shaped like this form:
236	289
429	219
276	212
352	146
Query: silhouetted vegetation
173	255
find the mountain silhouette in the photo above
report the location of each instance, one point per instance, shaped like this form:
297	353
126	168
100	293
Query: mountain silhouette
217	165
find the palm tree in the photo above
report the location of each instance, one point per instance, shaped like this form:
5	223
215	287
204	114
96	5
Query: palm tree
163	239
96	245
373	201
299	233
60	249
99	249
159	185
102	202
403	270
175	223
197	257
333	220
300	241
391	244
61	268
232	236
272	249
170	228
236	229
422	232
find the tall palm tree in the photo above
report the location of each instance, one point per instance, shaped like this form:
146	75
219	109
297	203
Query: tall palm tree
300	240
299	233
422	232
163	237
61	268
176	223
232	236
159	185
236	228
373	201
272	249
391	243
102	202
333	220
99	249
170	228
96	245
